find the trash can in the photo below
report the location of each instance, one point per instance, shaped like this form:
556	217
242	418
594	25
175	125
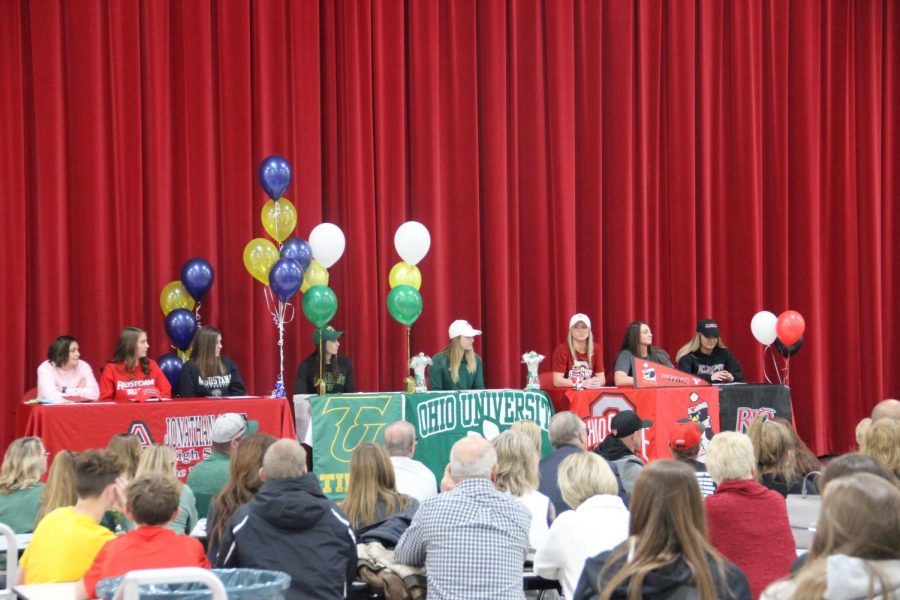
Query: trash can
241	584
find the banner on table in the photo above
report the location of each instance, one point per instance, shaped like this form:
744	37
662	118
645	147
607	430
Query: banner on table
654	375
742	403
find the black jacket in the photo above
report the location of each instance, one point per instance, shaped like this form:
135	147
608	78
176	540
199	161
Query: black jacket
308	372
704	365
291	526
190	385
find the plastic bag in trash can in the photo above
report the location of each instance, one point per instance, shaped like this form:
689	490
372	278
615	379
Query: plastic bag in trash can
241	584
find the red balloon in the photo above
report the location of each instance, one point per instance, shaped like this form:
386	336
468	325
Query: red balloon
790	327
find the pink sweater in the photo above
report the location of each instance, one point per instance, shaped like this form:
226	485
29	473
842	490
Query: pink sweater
79	382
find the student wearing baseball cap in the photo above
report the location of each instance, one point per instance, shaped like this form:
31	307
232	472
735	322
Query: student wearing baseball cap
684	442
579	357
707	357
337	370
448	371
621	445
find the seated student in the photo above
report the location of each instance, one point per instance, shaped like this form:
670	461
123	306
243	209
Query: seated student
208	373
66	541
638	343
151	502
64	376
130	371
60	488
24	463
579	357
447	371
337	370
773	447
372	495
209	476
707	357
157	459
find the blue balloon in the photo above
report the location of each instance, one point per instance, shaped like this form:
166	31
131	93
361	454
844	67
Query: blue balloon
170	365
275	175
285	278
298	249
197	277
181	327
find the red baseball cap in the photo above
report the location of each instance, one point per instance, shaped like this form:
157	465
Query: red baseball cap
684	436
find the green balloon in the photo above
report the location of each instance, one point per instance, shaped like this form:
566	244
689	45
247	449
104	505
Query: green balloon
405	304
319	305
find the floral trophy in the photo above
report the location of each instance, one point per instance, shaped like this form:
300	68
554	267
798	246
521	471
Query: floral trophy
418	363
532	359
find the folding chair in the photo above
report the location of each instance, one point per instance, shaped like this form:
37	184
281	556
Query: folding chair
12	561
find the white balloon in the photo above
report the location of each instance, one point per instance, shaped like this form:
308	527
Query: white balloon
327	243
763	327
412	241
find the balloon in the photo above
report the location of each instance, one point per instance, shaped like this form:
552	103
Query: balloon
285	278
299	250
197	276
181	326
404	273
170	365
175	296
327	243
412	241
763	327
259	256
790	327
319	305
279	217
315	275
788	351
405	304
275	175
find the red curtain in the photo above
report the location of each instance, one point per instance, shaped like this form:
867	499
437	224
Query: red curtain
654	160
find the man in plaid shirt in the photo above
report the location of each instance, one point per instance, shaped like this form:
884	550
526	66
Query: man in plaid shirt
473	539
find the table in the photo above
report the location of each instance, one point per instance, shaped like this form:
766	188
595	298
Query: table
185	424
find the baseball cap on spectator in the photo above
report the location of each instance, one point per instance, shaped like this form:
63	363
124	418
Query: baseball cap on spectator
460	327
579	317
709	328
231	426
684	436
628	422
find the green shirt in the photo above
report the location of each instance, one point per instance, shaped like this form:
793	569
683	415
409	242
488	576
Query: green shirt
207	479
19	508
439	374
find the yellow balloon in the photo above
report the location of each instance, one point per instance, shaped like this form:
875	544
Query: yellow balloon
404	273
173	296
315	274
279	217
259	256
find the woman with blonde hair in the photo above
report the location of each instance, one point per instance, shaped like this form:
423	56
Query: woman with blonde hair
578	360
60	488
667	554
24	463
707	357
372	493
773	448
532	430
208	373
517	475
447	371
127	448
882	441
161	460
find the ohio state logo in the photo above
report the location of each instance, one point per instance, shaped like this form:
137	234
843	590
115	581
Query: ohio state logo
602	410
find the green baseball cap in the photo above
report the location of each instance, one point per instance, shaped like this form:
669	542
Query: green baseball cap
328	334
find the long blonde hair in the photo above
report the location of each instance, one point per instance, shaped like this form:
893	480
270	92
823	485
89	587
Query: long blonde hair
371	479
23	464
589	348
772	448
882	441
156	459
127	447
517	463
455	356
694	345
60	489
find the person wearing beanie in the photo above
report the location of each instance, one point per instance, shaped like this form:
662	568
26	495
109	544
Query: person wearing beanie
578	360
457	367
337	370
707	357
620	446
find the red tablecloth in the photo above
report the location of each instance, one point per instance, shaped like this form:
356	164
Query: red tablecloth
184	424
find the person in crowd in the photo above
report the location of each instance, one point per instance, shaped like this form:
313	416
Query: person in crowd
578	360
748	523
882	441
243	483
531	429
803	461
472	540
161	460
856	550
151	502
856	462
127	447
337	370
599	521
667	554
412	477
447	370
60	488
372	495
517	475
24	463
773	446
64	376
66	541
684	442
638	343
621	445
130	374
291	526
209	476
208	373
707	357
861	428
886	409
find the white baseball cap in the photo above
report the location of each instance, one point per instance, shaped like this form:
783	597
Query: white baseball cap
230	426
460	327
579	317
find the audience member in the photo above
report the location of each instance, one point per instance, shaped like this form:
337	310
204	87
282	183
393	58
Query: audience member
773	447
803	461
161	460
748	523
882	441
861	428
208	373
412	477
473	539
599	521
517	475
666	555
886	409
856	549
127	448
66	541
291	526
151	502
619	447
208	477
372	496
24	463
684	442
60	488
64	376
532	430
856	462
130	374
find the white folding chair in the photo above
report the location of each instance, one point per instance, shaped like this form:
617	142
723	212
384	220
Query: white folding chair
12	561
130	587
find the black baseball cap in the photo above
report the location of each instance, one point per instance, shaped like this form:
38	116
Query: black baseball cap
708	327
627	422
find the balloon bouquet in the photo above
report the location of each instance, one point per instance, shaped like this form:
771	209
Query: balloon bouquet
404	302
785	332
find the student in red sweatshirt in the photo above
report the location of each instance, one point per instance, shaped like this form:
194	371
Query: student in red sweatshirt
130	375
